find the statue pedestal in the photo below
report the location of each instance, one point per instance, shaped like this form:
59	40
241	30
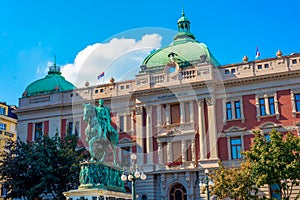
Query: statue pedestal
96	194
99	181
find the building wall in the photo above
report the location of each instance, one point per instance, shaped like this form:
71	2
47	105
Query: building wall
143	112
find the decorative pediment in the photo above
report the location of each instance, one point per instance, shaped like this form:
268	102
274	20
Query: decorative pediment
269	125
234	129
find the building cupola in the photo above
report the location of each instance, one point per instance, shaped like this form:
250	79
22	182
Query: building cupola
183	25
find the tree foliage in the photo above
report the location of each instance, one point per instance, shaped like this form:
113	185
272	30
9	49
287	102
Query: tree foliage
272	160
47	166
234	182
275	160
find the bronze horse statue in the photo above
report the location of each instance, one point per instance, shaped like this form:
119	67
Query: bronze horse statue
99	129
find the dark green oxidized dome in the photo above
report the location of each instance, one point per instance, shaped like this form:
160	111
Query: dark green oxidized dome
53	82
185	46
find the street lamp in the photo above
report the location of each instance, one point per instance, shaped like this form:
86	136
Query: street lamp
133	174
206	182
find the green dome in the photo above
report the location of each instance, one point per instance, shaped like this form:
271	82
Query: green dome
184	49
53	82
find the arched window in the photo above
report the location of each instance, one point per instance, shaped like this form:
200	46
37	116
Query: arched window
177	192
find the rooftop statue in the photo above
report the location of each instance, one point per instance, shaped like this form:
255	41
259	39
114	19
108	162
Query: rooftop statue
99	130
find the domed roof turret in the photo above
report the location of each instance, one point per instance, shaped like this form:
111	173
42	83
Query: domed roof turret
52	82
184	46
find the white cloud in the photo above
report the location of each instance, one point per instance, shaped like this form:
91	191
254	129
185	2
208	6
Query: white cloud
119	58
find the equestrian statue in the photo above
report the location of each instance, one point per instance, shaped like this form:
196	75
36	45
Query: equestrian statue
99	131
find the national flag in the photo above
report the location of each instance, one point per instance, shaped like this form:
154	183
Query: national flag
100	75
257	53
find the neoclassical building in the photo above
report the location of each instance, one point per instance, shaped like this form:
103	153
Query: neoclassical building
182	113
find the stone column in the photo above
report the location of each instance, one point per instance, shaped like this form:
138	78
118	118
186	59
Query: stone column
191	106
125	123
168	114
212	128
201	124
193	150
149	139
160	153
169	152
139	135
158	112
183	151
182	120
132	122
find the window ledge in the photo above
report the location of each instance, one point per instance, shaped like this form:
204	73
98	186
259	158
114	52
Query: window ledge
268	116
237	119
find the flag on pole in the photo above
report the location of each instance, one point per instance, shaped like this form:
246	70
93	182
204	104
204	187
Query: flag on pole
257	53
100	75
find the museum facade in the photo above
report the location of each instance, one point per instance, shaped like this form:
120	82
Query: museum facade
182	113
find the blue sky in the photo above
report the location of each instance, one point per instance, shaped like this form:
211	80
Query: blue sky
32	32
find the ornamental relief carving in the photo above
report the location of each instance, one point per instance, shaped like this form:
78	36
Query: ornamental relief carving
139	110
210	101
200	102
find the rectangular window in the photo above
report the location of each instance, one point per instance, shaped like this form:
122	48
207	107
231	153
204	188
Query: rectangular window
2	111
77	129
236	147
297	102
70	128
228	110
262	107
266	65
187	112
226	71
271	105
259	66
125	156
38	130
121	123
294	61
233	71
96	91
237	109
176	150
2	126
175	113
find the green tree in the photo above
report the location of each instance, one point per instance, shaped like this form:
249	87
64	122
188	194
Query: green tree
275	160
47	166
234	182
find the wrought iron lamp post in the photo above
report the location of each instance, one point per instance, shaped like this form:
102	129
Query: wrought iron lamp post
206	182
133	175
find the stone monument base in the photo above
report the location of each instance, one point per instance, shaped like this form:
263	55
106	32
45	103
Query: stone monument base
96	194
